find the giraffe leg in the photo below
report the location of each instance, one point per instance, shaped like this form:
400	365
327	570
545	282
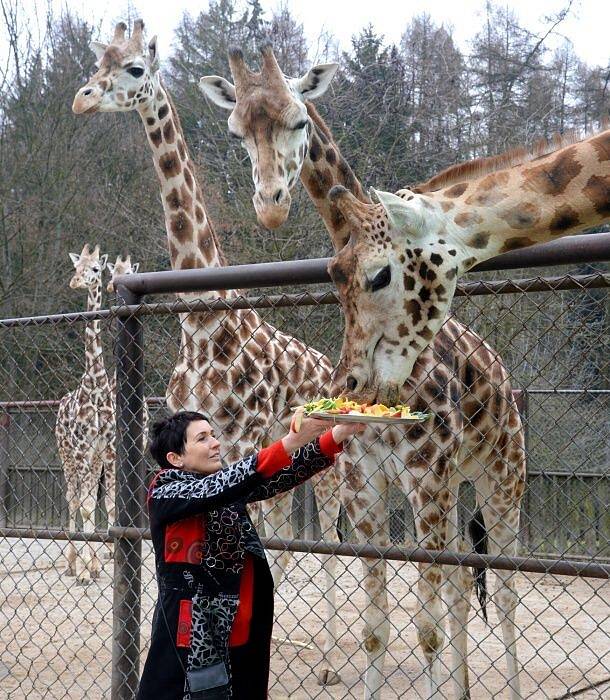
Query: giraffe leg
326	489
73	508
457	587
366	508
89	565
109	490
430	502
502	523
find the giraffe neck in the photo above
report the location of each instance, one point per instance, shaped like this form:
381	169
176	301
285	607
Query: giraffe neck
94	358
556	195
191	239
323	168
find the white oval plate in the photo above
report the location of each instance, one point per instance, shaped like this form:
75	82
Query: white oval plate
347	418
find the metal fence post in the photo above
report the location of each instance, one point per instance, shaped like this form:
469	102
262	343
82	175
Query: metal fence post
129	504
5	422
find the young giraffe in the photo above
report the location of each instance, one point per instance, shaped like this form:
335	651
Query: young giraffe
241	371
85	425
476	433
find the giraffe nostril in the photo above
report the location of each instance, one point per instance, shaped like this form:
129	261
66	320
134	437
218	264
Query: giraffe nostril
351	383
278	196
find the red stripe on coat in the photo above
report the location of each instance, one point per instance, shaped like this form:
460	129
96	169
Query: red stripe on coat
240	632
185	624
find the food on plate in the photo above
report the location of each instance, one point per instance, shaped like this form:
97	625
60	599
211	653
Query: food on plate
344	406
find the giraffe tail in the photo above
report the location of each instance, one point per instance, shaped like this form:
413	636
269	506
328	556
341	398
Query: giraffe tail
478	535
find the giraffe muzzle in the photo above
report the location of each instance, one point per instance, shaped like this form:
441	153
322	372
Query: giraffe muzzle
87	100
272	210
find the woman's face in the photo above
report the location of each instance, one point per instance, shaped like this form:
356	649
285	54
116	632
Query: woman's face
201	452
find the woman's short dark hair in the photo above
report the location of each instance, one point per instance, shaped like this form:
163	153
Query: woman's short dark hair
169	435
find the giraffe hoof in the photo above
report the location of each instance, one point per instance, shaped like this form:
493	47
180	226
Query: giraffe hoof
83	580
70	571
328	677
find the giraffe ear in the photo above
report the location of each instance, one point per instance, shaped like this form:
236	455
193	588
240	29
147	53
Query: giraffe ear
98	49
316	81
400	213
103	261
219	90
153	55
110	268
135	267
75	257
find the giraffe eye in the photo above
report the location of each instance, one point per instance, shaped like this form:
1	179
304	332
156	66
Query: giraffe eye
381	279
95	269
136	72
300	125
233	135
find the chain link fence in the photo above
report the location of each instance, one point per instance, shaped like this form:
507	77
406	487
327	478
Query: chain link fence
61	637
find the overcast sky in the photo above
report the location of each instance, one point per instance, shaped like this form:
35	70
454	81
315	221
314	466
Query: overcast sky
586	27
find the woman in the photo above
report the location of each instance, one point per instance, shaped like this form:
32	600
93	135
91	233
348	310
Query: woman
211	630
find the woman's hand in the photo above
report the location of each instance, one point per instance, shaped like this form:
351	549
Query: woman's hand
342	431
309	429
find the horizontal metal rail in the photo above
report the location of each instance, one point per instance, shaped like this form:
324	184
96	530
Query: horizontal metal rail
571	250
531	564
597	280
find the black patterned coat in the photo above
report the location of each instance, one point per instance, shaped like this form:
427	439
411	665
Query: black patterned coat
202	535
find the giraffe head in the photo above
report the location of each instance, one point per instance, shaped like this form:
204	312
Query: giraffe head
396	278
121	267
127	74
88	268
269	116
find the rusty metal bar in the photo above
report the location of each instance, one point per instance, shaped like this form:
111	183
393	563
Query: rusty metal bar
571	250
127	582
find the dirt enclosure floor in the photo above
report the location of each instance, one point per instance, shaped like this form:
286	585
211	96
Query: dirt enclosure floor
55	636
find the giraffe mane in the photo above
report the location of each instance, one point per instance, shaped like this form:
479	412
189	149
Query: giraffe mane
318	121
476	168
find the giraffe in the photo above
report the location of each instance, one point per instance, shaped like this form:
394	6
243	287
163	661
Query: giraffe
85	425
415	244
241	371
476	433
120	267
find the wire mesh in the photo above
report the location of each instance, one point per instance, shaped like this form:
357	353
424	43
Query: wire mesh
334	616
